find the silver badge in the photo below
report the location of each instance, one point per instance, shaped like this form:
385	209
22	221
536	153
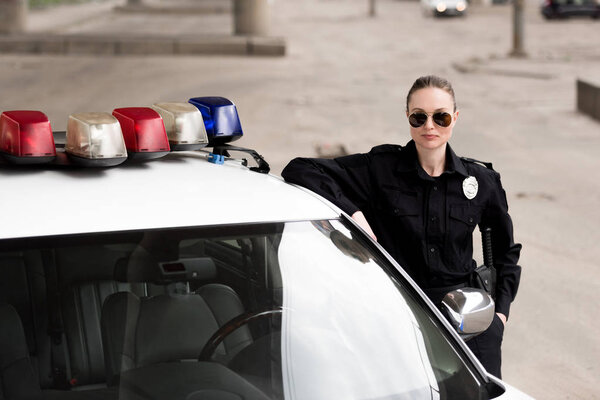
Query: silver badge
470	187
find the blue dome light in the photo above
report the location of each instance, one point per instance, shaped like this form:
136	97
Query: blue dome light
220	119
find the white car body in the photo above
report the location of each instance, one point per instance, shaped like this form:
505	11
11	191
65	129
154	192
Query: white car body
175	192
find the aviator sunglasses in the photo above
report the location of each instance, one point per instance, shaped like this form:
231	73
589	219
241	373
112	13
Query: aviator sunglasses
418	119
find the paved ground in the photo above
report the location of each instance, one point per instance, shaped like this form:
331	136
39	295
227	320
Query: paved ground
345	78
115	16
201	17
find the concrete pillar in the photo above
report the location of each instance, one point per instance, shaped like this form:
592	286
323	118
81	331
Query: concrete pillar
518	29
134	2
251	17
13	16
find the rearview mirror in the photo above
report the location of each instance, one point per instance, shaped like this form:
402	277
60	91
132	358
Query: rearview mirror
469	310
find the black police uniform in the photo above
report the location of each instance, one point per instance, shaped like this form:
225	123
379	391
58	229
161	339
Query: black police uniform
426	223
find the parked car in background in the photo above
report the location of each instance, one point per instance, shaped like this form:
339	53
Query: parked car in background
570	8
438	8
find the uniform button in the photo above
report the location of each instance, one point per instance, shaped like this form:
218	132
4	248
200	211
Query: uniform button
432	249
435	188
433	219
470	219
396	211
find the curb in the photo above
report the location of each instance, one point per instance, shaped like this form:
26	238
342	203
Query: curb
469	68
142	45
174	10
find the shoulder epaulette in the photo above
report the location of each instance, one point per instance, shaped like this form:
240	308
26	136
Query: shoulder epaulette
386	148
488	165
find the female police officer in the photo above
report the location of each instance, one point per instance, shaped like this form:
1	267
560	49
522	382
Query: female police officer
422	203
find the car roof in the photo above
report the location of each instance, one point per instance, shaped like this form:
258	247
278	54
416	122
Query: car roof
181	189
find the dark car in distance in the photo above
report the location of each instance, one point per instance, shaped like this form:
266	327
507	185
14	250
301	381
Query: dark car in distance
570	8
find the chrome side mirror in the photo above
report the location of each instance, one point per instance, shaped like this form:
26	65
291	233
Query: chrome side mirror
469	310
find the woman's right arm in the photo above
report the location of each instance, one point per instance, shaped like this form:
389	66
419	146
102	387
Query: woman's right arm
345	181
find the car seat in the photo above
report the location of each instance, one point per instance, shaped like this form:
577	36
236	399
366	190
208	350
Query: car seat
17	377
141	331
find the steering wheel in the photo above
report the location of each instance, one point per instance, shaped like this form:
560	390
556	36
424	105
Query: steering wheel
229	327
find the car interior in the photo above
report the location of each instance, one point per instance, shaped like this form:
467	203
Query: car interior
185	313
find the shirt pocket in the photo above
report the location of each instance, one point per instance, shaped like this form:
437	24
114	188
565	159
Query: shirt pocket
400	202
467	215
461	225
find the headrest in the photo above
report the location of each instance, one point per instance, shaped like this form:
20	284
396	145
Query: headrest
141	266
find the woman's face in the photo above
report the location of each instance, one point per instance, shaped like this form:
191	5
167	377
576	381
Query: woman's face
429	101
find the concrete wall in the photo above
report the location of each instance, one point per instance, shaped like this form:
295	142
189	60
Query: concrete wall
588	98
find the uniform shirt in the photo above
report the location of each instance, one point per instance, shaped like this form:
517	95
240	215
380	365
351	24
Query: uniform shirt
425	223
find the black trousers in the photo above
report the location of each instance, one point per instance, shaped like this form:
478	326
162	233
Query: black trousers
486	347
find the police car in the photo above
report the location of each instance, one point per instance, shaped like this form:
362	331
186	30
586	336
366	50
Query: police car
143	256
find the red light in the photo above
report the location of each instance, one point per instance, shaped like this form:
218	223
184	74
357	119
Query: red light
144	132
26	137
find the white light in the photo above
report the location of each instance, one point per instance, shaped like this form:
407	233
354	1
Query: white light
441	7
460	6
95	135
183	123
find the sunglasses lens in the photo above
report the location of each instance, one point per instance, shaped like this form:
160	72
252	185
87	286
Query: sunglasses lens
417	119
442	119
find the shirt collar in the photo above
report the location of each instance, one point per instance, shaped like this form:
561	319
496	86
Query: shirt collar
454	163
411	162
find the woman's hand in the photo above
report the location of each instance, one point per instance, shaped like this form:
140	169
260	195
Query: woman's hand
502	318
360	219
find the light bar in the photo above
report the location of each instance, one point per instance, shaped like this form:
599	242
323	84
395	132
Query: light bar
95	139
26	137
184	125
143	131
220	119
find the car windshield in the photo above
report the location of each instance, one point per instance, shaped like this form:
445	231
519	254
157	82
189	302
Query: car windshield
297	310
